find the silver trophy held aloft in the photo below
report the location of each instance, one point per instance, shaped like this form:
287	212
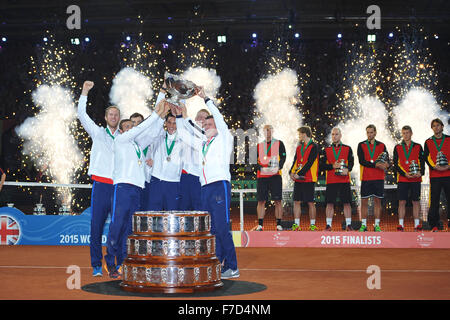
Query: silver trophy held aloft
383	157
413	167
178	89
441	159
339	171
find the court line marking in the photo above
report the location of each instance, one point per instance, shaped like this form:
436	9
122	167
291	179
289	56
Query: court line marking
345	270
261	269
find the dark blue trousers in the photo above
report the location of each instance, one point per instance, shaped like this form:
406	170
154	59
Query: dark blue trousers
101	196
216	199
126	201
190	190
145	198
162	195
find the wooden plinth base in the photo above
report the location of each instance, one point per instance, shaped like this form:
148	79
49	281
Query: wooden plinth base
193	289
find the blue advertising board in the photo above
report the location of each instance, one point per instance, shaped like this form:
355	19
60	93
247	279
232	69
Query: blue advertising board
22	229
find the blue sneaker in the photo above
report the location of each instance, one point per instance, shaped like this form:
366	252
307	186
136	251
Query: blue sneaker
97	272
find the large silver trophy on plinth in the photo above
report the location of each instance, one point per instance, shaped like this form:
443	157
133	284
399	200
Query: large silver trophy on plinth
178	88
441	159
413	168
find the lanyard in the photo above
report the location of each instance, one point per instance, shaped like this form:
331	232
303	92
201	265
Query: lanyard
409	151
270	146
303	150
374	147
169	149
442	143
145	151
336	156
207	144
137	149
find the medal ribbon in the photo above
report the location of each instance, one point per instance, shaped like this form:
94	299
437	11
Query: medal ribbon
137	149
336	156
207	144
109	133
145	151
410	149
169	149
270	146
370	151
435	143
302	151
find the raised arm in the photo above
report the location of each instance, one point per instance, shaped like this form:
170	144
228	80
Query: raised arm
131	134
146	137
221	125
87	123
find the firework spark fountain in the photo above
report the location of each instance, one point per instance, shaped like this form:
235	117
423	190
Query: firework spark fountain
275	98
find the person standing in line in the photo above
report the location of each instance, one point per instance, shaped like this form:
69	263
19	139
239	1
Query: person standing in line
271	155
438	146
337	161
372	175
304	172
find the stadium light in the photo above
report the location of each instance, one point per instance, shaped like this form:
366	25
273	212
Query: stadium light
254	35
297	35
221	39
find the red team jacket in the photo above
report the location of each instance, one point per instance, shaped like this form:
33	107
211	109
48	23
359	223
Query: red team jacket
368	171
430	154
400	164
309	162
328	159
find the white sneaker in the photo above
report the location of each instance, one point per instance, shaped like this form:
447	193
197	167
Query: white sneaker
230	274
279	228
259	228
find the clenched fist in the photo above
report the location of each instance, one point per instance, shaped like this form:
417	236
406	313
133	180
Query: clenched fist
87	85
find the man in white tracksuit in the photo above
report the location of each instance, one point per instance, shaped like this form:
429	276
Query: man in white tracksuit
215	153
100	170
129	180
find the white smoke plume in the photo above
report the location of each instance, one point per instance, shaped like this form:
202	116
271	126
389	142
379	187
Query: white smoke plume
48	138
371	111
275	98
202	77
416	110
130	92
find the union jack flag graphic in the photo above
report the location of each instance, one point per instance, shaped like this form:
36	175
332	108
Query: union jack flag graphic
9	230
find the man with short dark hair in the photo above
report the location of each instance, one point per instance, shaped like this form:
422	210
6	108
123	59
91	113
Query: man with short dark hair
410	167
164	189
372	173
304	172
437	155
